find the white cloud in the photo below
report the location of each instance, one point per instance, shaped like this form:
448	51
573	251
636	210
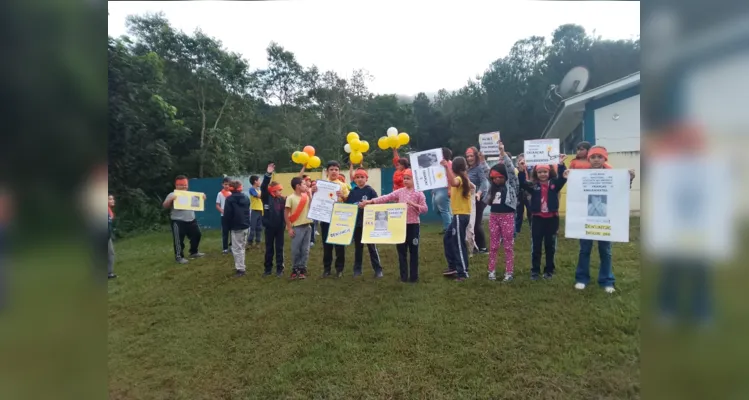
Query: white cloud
408	45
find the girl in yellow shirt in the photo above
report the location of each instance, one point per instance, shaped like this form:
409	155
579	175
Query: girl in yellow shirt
460	204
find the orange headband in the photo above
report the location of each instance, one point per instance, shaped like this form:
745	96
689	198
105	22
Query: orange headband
408	172
361	172
469	151
181	182
601	151
495	174
543	166
275	187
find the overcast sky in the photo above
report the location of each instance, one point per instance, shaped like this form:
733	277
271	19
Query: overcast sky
409	46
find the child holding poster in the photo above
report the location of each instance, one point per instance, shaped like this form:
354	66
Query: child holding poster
183	224
273	221
299	227
597	159
502	199
460	201
544	205
417	204
333	169
363	193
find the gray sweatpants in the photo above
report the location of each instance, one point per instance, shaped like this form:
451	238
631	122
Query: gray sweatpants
110	258
300	248
238	244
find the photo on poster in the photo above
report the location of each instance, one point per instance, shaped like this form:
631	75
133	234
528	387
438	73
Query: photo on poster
381	221
428	160
384	224
428	173
597	205
195	201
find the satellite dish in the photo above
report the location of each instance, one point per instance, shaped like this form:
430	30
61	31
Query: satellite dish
574	82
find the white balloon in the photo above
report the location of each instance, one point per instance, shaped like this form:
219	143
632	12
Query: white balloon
392	131
347	148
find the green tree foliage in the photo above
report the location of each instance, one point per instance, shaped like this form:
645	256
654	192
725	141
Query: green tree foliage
181	103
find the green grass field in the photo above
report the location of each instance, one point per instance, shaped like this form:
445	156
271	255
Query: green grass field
194	332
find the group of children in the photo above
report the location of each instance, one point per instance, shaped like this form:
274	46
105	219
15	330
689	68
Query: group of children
508	191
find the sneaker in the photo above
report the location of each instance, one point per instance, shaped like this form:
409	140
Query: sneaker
579	286
239	274
182	260
460	279
301	276
508	278
534	277
483	251
548	275
197	255
317	233
225	252
378	275
492	276
325	274
267	273
311	244
339	274
609	289
449	272
357	274
111	276
279	274
293	276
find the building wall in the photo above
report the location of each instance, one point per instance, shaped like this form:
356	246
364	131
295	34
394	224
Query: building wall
617	125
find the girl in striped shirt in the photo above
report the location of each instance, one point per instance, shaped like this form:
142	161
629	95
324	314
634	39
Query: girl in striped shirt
417	204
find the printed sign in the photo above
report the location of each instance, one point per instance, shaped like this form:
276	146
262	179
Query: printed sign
191	201
427	171
384	224
598	205
489	143
321	207
342	224
541	151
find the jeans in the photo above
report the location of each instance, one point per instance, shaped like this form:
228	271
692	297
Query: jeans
605	273
695	277
300	248
256	226
441	203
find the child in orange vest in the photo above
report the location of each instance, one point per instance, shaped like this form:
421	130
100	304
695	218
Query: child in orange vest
299	227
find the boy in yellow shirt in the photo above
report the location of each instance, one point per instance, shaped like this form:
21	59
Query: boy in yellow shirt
298	226
256	212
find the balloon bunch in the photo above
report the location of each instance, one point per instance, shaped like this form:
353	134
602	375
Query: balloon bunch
393	140
306	157
355	147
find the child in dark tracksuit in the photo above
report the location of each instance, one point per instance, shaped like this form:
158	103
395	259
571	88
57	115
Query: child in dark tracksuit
363	192
237	219
544	205
274	222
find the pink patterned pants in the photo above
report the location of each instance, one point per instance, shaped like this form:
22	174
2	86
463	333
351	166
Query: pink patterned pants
501	226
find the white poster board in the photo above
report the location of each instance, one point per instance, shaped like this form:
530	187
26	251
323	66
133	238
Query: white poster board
685	217
321	207
541	151
489	143
598	205
427	171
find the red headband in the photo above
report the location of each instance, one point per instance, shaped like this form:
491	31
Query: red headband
601	151
496	174
238	189
469	151
361	172
181	182
275	187
543	166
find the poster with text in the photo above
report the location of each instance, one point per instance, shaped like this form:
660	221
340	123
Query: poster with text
427	171
342	224
384	224
598	205
321	207
191	201
489	143
541	151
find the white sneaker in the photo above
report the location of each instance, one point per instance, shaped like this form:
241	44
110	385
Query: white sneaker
579	286
492	276
609	289
508	278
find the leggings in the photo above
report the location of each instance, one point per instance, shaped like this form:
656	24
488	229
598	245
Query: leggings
502	228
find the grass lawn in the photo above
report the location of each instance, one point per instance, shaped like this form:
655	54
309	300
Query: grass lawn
194	332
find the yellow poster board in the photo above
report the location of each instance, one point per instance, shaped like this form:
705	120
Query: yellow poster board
384	224
190	201
342	224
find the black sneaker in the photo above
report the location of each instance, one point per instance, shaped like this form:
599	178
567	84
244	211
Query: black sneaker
378	275
534	277
357	274
449	272
197	255
111	276
548	275
279	274
239	274
482	251
325	274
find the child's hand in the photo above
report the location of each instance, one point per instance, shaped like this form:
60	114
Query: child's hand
443	163
271	168
203	196
291	232
566	174
562	157
363	203
313	189
412	204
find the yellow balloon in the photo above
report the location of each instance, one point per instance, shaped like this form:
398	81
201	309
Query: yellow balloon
351	136
382	143
364	146
302	157
314	162
403	138
295	157
354	143
393	142
356	157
